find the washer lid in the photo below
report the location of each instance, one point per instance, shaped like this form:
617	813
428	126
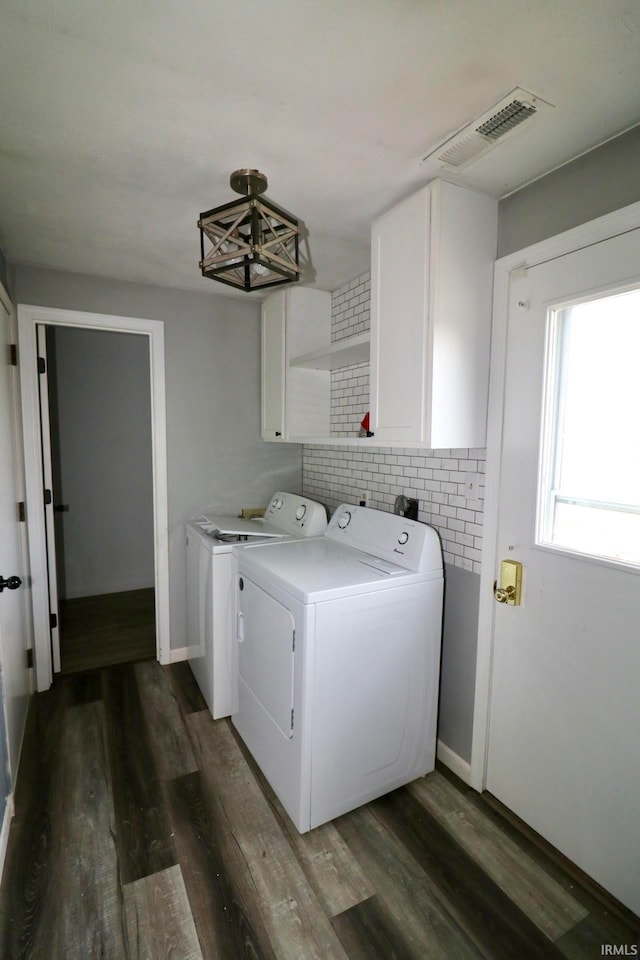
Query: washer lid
321	569
286	515
239	526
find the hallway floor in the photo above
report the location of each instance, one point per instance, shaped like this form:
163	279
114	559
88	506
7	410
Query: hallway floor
107	629
143	830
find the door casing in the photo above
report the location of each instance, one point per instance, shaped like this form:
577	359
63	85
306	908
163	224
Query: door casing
595	231
28	318
16	679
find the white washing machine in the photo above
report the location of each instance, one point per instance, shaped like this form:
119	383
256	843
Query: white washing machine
211	581
338	661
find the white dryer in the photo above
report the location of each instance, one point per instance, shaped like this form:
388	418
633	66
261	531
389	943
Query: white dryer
338	661
211	581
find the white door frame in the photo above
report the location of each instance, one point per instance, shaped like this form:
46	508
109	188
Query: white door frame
595	231
28	318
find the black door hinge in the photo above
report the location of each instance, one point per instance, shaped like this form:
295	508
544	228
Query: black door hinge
13	354
29	658
42	366
22	511
47	497
53	620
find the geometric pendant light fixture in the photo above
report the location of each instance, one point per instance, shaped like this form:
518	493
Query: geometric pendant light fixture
249	243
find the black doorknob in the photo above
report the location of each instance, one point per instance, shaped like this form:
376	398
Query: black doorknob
11	584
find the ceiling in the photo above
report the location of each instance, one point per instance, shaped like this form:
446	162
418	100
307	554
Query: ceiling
121	120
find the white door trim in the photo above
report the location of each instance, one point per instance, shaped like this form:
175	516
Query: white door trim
595	231
28	318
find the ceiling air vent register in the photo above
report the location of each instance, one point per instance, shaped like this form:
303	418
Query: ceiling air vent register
477	138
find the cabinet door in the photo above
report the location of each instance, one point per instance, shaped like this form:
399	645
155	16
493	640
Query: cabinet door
399	321
273	367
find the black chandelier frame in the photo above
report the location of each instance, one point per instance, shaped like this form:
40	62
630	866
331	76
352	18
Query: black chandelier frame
249	243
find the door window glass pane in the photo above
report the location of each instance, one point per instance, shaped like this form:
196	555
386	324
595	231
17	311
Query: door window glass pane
589	494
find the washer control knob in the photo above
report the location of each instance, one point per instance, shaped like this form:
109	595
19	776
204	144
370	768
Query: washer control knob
300	512
277	503
344	519
402	539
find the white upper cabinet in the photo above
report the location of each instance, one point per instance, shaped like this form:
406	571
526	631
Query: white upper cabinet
431	291
296	321
273	368
431	296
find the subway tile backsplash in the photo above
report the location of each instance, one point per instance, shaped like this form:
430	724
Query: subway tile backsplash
349	399
350	314
438	479
350	308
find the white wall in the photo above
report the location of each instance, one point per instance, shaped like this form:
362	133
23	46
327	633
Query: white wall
102	386
212	355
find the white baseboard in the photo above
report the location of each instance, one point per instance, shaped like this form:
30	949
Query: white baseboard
4	831
455	763
179	653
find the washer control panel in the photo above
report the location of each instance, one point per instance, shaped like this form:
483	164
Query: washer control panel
296	514
344	519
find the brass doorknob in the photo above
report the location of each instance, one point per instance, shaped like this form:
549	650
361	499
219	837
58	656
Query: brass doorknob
504	594
510	583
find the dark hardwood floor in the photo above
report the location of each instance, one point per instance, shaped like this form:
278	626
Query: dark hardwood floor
107	629
144	830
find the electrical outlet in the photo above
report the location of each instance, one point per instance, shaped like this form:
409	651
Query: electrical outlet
363	498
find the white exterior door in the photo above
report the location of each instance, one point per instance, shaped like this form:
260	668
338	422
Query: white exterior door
564	722
13	628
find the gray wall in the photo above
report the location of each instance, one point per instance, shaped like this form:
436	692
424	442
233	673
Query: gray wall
106	470
458	666
4	272
212	358
599	182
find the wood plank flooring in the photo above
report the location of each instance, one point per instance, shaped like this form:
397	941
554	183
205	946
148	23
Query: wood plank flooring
144	831
107	629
